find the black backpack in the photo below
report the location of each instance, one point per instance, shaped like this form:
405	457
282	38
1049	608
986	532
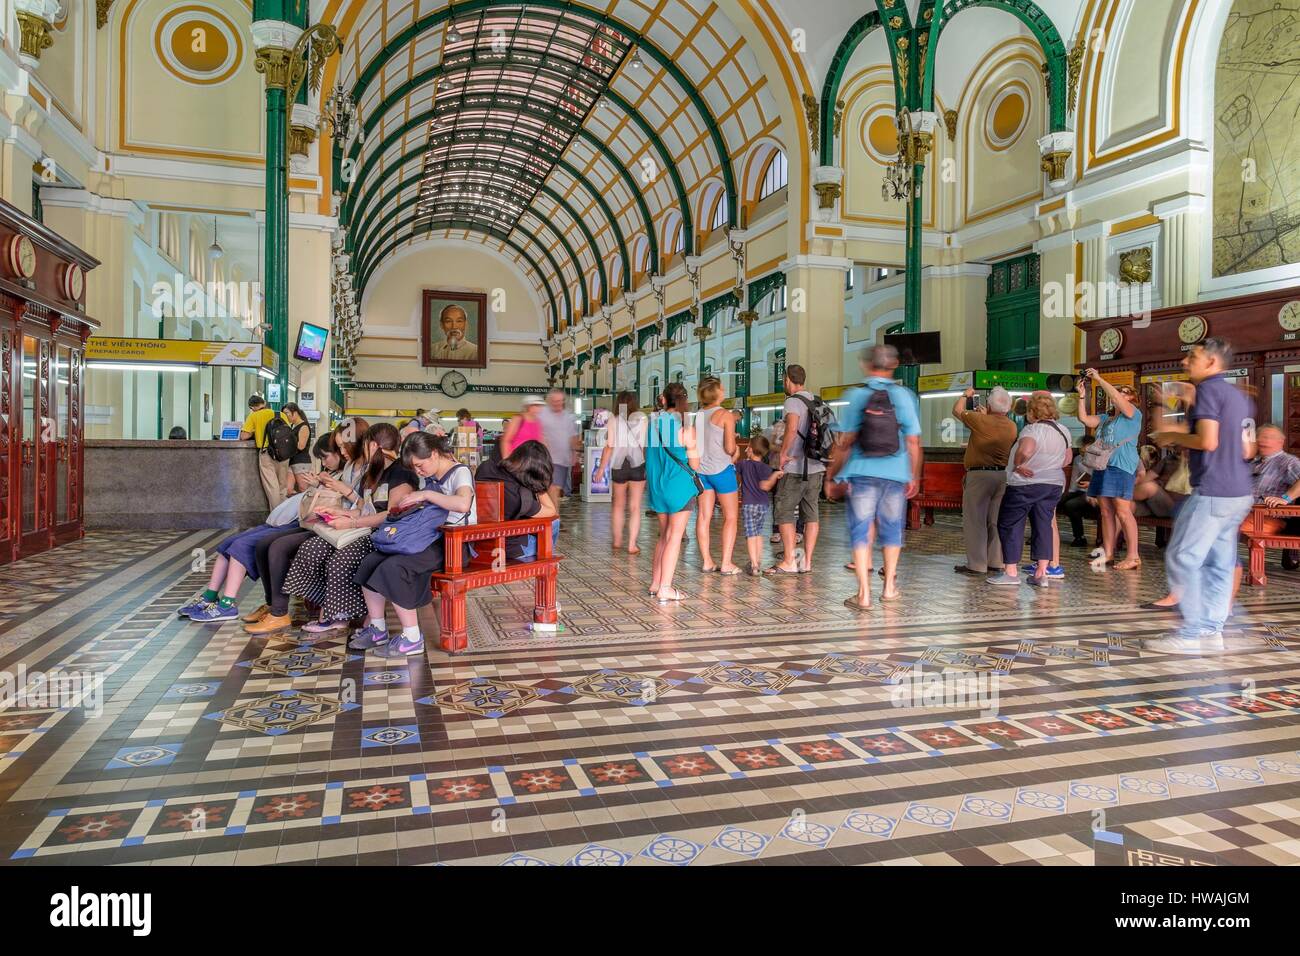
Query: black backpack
280	444
878	433
819	437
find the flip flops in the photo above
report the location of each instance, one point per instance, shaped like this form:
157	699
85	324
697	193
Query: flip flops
853	605
777	569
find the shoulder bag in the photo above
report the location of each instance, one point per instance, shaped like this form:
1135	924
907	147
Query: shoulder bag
695	478
411	531
1097	455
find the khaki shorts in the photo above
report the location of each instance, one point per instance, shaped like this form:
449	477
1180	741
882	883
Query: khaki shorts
795	495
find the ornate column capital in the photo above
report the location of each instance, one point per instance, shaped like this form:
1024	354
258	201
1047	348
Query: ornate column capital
828	184
276	64
1056	150
35	21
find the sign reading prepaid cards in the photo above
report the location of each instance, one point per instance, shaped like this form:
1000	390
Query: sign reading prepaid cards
187	351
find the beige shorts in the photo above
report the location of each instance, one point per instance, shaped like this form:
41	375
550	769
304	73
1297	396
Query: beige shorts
796	496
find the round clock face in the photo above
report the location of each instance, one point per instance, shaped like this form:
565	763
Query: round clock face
74	281
22	257
1192	329
454	385
1111	340
1289	317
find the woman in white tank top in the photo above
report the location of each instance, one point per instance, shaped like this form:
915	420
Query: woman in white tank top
625	454
715	428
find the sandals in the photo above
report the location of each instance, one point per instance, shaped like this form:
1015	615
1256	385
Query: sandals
777	569
728	574
1132	564
853	605
678	596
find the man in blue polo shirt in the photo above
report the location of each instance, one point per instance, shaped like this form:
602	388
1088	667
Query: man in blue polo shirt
1202	553
879	484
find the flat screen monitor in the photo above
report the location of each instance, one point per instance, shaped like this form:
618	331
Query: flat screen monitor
311	342
916	348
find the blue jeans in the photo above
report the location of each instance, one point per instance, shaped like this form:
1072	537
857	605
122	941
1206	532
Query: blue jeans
881	502
1201	557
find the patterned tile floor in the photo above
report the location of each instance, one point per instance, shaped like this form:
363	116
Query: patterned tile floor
758	722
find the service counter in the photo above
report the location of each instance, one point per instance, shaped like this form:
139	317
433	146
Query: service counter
172	484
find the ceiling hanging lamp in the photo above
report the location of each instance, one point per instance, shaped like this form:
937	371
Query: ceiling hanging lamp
215	251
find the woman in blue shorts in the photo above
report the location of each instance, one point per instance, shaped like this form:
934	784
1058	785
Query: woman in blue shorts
1113	487
715	429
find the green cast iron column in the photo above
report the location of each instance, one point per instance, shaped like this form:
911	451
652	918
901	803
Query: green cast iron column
748	318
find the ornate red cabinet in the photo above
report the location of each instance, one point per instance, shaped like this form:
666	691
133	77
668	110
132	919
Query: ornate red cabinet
43	329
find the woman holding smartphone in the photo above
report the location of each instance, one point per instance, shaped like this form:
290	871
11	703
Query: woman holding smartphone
1113	485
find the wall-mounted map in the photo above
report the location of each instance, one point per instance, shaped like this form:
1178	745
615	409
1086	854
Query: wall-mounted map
1257	138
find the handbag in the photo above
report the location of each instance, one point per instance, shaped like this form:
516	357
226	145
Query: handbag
411	531
323	499
1097	455
1180	482
286	512
699	485
318	499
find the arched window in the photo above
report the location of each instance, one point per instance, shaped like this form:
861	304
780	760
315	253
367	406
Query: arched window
719	213
615	272
679	240
776	177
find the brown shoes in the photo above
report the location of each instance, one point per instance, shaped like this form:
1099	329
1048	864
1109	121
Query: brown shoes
257	615
269	624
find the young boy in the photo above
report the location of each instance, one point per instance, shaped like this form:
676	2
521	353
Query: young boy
757	479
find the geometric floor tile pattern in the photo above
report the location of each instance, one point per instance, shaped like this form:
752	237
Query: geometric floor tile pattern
758	721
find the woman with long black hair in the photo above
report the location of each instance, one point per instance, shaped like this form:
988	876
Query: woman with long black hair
404	579
671	464
322	573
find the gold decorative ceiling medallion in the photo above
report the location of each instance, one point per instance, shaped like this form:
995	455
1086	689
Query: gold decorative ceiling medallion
198	45
34	35
1135	265
814	118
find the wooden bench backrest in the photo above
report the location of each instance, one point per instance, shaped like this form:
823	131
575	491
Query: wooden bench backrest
489	500
942	477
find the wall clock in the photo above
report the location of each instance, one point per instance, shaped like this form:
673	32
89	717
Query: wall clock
1111	341
20	257
1192	329
72	281
454	385
1289	317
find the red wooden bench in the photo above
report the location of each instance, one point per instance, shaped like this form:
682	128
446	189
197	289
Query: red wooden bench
1259	539
490	568
941	489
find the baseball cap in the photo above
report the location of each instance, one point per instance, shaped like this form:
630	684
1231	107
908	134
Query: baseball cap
531	400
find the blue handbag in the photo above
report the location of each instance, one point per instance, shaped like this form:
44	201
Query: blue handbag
410	532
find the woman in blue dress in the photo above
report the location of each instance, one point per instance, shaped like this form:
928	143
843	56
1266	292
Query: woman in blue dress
670	463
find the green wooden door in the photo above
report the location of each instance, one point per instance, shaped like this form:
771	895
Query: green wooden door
1014	315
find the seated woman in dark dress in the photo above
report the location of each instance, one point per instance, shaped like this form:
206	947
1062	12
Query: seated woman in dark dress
404	578
524	477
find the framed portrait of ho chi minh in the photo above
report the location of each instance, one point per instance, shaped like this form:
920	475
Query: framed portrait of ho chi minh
453	329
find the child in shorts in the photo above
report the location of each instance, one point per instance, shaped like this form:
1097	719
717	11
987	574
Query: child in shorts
757	479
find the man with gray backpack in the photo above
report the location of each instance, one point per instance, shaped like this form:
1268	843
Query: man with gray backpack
878	455
806	447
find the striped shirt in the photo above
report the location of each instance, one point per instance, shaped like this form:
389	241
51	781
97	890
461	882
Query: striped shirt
1274	475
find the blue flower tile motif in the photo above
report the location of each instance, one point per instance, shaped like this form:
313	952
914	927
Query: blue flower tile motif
801	830
397	735
1275	766
739	840
1152	788
191	690
1186	778
385	678
1243	774
864	822
986	807
523	859
153	755
593	854
929	816
675	851
1094	792
1041	800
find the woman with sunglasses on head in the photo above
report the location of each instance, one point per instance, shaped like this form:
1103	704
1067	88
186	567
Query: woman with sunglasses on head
1119	430
322	573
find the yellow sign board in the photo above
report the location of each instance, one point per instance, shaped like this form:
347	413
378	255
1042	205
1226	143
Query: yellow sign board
1121	379
1156	378
832	392
101	348
772	398
946	382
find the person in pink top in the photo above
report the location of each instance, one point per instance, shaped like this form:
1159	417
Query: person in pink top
523	427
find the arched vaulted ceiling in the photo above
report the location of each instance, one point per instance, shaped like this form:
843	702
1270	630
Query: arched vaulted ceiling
558	132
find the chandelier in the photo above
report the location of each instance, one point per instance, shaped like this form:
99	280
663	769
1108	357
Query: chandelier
340	113
898	185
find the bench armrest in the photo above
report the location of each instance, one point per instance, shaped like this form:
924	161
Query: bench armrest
1255	523
495	531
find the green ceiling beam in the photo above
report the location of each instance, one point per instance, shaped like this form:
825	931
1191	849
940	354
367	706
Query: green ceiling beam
403	37
835	76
